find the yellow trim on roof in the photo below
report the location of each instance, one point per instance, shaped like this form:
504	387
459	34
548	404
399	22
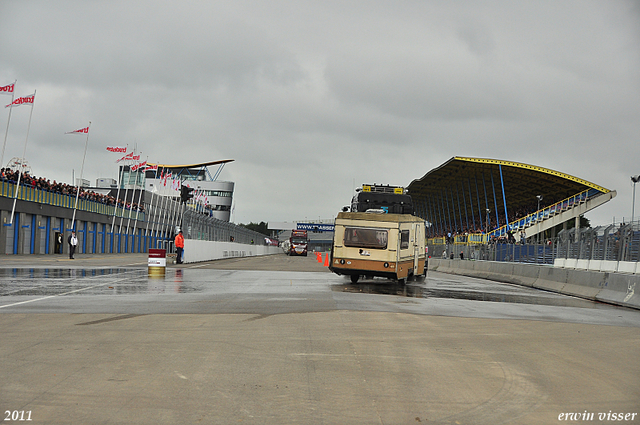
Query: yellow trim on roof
202	164
534	168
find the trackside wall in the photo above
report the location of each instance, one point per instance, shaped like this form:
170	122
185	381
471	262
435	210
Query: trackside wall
198	250
613	288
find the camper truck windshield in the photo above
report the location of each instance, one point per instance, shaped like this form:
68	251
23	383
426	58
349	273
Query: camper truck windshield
365	238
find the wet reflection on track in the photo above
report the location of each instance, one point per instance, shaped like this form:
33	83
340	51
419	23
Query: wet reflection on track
122	281
442	288
111	281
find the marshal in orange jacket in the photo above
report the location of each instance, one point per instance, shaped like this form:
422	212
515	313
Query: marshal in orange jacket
179	241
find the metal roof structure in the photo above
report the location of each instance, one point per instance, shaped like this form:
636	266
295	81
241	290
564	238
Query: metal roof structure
463	189
198	165
192	171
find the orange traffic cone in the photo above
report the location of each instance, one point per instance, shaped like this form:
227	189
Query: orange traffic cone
326	260
318	257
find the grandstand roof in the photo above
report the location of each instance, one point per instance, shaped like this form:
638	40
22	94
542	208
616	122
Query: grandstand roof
198	165
463	179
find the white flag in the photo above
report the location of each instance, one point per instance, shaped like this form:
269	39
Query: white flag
26	100
8	89
80	131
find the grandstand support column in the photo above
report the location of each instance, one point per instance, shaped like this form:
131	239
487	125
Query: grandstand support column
504	197
473	216
495	202
577	232
459	208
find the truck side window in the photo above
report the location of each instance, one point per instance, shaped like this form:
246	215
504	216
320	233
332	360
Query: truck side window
404	239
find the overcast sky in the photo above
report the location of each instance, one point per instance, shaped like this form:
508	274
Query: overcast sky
314	98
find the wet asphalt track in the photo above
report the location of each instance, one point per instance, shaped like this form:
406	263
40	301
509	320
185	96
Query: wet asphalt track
280	340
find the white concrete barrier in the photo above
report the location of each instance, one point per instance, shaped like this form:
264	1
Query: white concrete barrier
196	250
627	267
611	287
609	266
582	264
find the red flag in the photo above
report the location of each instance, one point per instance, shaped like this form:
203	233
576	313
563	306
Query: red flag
8	89
26	100
117	149
151	167
80	131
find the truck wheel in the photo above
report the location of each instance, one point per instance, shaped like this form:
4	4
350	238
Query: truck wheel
354	278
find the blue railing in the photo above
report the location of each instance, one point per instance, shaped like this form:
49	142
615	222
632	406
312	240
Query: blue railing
545	213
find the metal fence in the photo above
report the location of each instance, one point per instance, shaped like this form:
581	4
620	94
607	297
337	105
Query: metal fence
200	226
616	242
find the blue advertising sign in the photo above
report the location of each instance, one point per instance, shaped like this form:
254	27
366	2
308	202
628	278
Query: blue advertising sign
316	227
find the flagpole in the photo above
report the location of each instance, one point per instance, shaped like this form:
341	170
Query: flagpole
126	189
164	212
24	153
171	208
165	215
75	207
133	195
155	211
140	198
6	132
174	212
156	225
113	223
151	210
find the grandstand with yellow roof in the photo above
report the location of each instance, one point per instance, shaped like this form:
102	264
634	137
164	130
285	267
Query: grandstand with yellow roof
486	199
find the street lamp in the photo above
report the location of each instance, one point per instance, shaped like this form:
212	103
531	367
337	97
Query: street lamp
488	212
635	180
539	197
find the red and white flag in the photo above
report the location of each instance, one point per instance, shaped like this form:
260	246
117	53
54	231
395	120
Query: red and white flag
118	149
138	166
151	167
80	131
8	89
26	100
127	157
175	185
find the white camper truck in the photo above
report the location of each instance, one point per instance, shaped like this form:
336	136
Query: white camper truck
377	244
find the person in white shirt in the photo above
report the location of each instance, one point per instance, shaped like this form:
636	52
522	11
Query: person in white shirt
73	242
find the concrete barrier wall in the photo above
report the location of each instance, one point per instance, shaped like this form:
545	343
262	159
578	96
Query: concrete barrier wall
197	250
598	265
613	288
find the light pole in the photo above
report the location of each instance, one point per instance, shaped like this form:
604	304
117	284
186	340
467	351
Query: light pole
635	180
488	212
539	197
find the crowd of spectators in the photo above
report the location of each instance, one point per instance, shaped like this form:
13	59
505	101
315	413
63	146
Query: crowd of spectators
514	215
26	180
